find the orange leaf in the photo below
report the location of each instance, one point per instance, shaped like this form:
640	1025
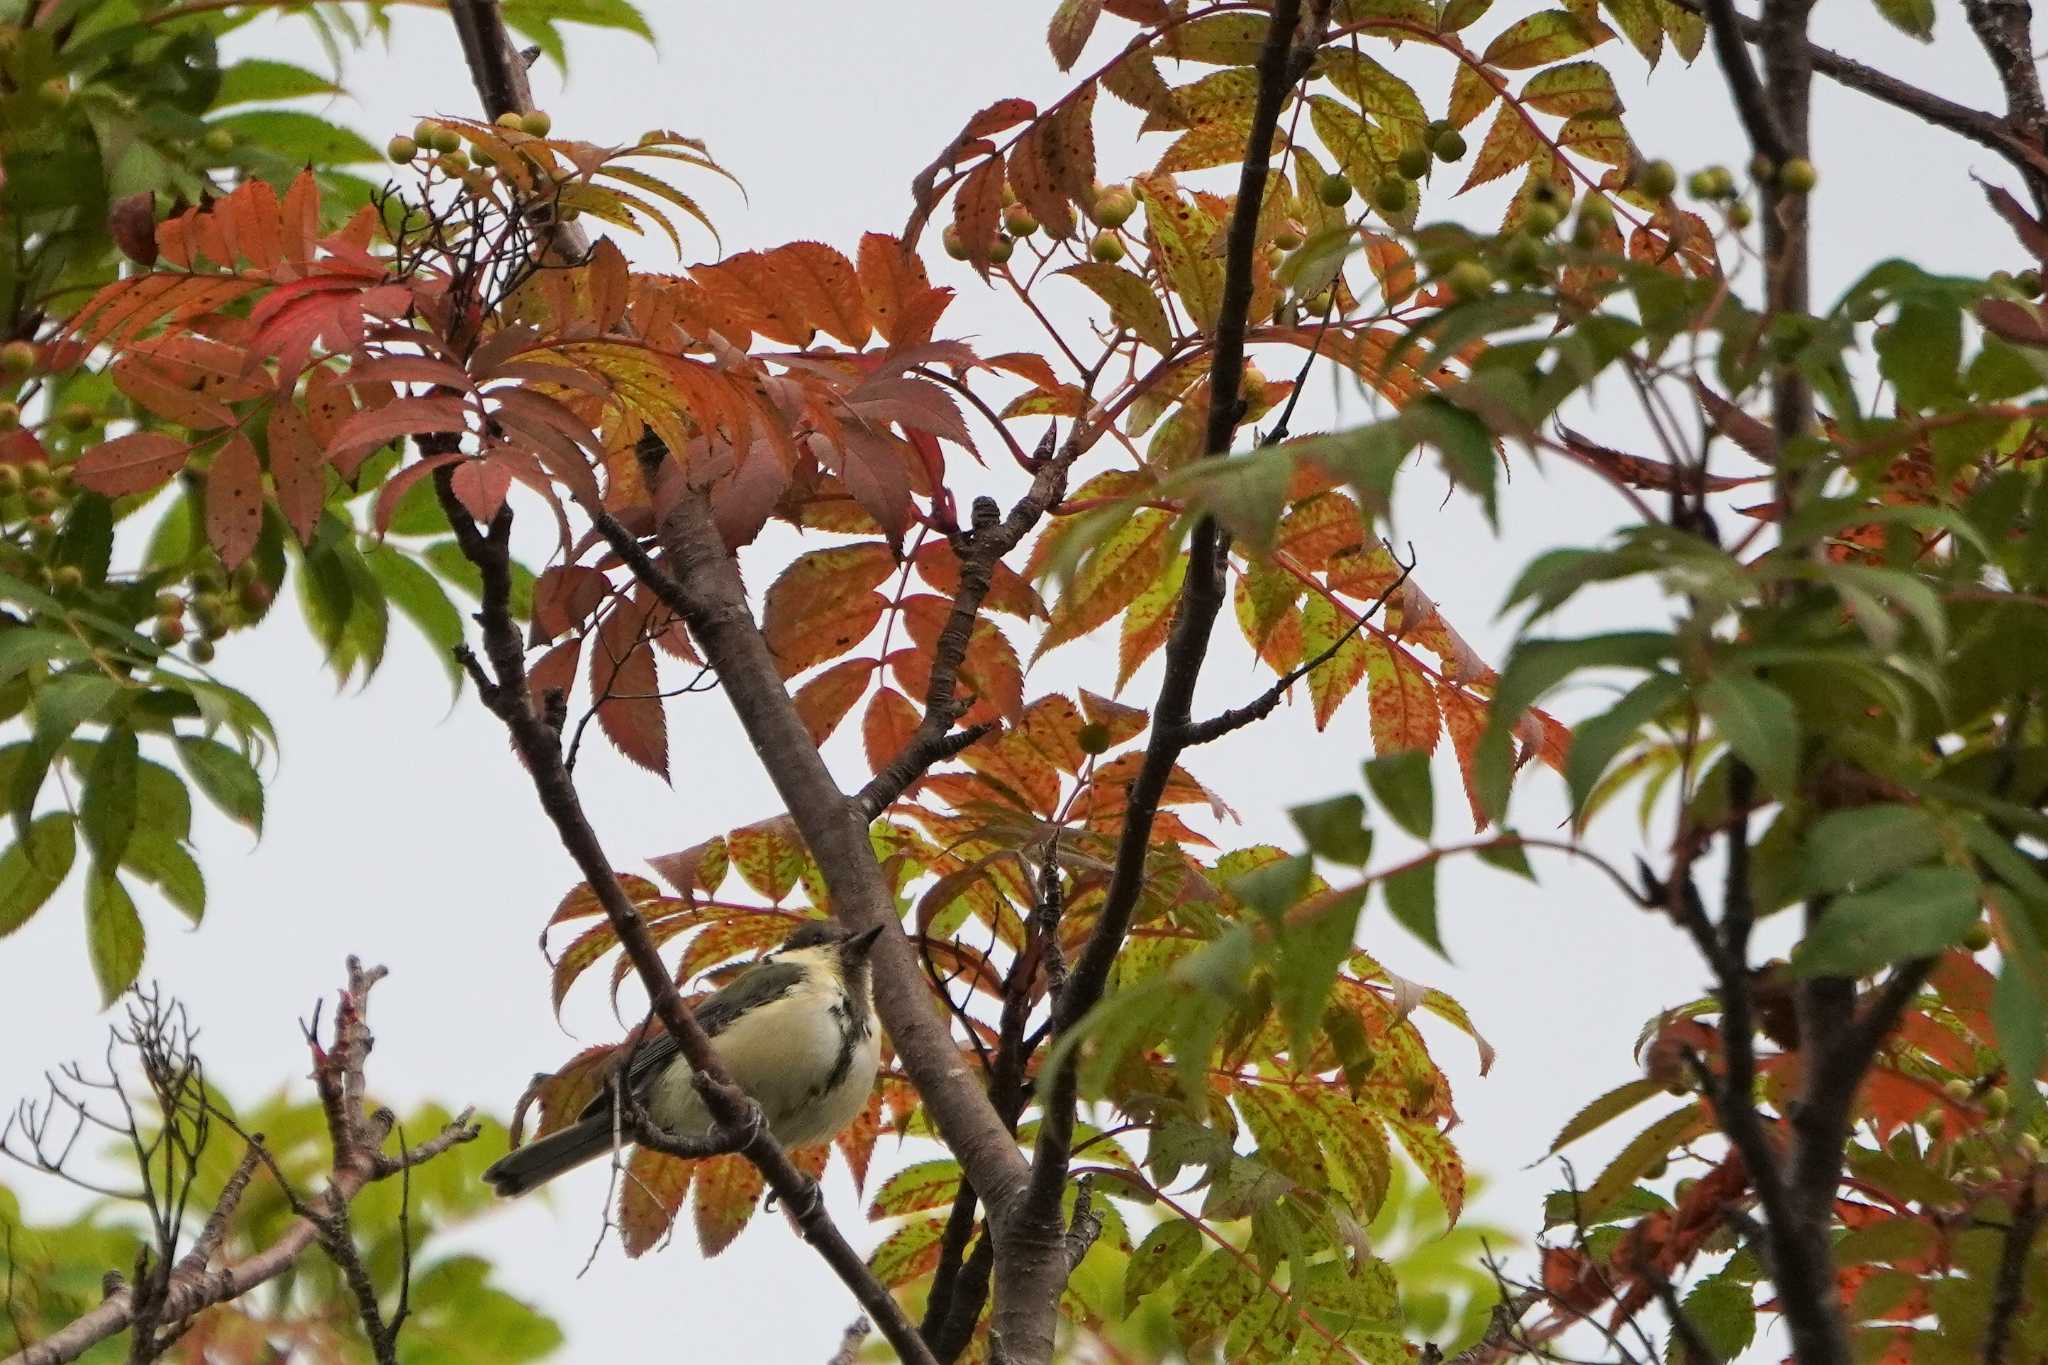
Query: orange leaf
1509	143
886	727
1129	559
988	671
856	1141
824	603
234	500
938	565
1466	721
564	597
624	683
655	1186
1149	619
1068	33
892	284
769	855
1403	705
824	701
1033	182
728	1190
822	284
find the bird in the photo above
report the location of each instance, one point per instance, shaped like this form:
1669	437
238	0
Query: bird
796	1030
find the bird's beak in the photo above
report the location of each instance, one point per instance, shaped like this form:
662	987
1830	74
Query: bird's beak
860	943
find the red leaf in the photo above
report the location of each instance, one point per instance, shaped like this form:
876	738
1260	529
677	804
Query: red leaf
296	469
623	679
374	427
481	486
132	464
892	283
234	500
976	207
651	1195
564	597
821	283
394	487
555	672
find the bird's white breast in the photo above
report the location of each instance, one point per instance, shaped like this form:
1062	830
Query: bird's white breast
784	1054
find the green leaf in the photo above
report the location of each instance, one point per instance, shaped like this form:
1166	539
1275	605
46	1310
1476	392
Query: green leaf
917	1187
107	812
1313	944
256	79
1335	829
300	137
1866	844
1648	1147
1597	739
113	935
226	777
1544	38
1915	914
1411	897
2020	1022
1166	1251
1274	888
1912	17
1723	1309
419	596
1507	854
87	540
1464	441
1211	1297
1760	725
1400	782
32	870
163	803
1533	669
1131	301
163	862
1611	1105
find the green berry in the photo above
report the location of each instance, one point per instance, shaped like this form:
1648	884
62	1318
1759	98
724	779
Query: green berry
169	604
508	121
1541	219
1762	170
446	139
69	578
57	91
1656	1169
10	416
1469	279
456	160
1094	738
1977	937
78	417
402	149
1413	162
202	651
1391	196
169	630
1958	1090
1335	189
1798	176
536	122
10	479
1740	215
17	358
1996	1102
1275	257
1684	1188
35	474
1319	302
1106	247
2028	282
1114	206
1525	253
1449	145
1657	179
1000	250
255	597
2029	1147
955	247
218	141
41	501
1019	221
1288	238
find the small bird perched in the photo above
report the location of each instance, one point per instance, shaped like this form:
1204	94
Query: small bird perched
796	1030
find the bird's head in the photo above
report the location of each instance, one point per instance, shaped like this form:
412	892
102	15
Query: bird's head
822	945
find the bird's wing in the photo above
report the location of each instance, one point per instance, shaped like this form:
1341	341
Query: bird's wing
756	986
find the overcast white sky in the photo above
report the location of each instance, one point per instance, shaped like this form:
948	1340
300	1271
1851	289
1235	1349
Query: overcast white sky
404	831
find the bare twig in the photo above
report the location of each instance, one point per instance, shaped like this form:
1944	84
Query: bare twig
2009	1289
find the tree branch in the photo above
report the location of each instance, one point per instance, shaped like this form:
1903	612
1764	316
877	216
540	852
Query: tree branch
193	1286
504	691
1030	1252
1978	125
2009	1289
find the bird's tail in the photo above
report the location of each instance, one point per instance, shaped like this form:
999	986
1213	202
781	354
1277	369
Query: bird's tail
543	1159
